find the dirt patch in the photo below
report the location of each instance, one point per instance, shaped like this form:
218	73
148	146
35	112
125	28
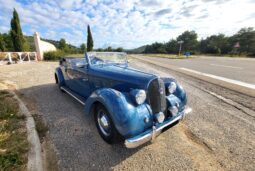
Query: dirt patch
50	161
195	139
199	151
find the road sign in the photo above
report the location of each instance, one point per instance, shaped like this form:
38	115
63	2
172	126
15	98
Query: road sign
237	45
180	42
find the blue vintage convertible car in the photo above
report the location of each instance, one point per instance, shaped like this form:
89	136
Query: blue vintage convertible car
126	103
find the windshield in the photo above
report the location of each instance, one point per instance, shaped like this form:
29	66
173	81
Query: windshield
96	58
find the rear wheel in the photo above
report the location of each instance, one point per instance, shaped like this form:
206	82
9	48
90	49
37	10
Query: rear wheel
105	125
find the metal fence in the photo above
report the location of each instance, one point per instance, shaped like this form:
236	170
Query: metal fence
17	57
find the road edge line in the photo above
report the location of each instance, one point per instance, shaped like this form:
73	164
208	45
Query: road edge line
238	88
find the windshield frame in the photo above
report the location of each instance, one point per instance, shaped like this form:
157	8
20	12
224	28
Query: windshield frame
125	61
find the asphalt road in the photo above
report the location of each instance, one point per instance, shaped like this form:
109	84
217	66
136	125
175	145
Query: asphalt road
218	135
241	69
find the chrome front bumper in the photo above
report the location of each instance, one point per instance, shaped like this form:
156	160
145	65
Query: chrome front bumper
155	131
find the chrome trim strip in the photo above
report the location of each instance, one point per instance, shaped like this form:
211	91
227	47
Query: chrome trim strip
68	92
152	134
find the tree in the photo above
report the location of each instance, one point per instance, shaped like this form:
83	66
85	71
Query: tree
90	43
8	42
62	44
119	49
19	42
2	44
155	48
190	41
246	38
83	47
109	49
172	46
100	50
215	44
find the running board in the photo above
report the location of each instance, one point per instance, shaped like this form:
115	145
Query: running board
72	95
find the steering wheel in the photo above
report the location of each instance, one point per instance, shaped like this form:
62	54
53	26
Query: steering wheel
96	60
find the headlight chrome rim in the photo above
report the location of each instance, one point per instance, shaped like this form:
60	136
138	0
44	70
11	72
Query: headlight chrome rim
139	96
172	87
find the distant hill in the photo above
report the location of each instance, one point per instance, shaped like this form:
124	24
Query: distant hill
30	40
137	50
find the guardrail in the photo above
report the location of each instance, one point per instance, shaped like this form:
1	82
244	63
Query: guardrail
17	57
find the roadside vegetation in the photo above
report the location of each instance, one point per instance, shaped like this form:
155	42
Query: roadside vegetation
240	44
170	56
13	137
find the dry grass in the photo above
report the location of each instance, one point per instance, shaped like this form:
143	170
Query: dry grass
170	56
75	55
13	136
41	126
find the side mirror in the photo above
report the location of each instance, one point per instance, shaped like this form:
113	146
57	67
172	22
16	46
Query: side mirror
80	65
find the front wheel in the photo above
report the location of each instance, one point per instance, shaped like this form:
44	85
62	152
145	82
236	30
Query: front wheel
105	125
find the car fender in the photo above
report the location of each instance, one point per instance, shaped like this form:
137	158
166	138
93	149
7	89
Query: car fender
179	96
60	77
127	117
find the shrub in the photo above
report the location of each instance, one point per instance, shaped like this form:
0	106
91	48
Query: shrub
53	55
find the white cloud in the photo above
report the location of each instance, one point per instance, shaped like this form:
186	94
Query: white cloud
128	23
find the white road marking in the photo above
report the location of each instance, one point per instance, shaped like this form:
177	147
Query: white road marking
226	66
240	83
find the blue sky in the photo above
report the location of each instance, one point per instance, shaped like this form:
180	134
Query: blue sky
127	23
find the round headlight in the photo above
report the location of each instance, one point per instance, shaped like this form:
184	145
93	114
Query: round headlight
172	87
140	97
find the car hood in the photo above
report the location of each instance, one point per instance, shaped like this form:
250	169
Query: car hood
121	77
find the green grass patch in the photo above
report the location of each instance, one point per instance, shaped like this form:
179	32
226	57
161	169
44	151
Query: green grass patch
75	55
56	55
169	56
13	137
53	55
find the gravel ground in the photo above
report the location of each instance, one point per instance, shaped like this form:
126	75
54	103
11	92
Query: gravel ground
216	136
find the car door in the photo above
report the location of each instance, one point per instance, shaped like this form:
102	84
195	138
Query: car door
69	74
82	81
78	78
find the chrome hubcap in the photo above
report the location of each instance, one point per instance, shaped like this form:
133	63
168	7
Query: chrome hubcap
103	122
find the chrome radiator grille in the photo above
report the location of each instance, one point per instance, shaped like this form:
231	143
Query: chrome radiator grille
156	96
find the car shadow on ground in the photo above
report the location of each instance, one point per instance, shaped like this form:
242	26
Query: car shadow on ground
73	133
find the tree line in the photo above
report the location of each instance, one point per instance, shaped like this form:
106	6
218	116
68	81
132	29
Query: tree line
14	40
241	43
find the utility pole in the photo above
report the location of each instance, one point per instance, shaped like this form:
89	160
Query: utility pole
180	42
